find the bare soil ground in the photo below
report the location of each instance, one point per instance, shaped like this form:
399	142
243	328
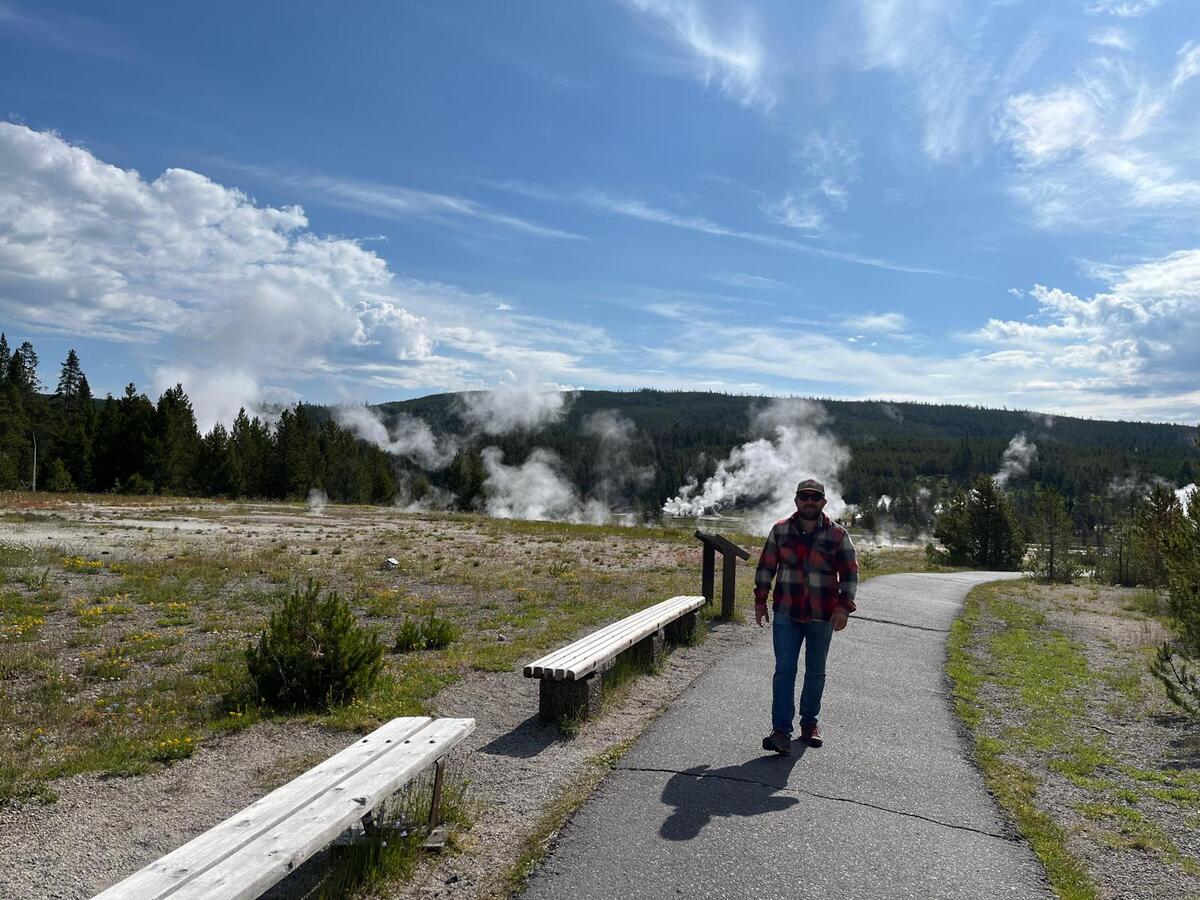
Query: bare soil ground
122	625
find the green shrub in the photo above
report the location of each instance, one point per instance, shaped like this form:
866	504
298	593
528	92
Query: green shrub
411	636
313	653
138	484
59	479
431	634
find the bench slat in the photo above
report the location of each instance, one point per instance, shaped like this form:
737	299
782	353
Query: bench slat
583	656
612	644
637	626
587	663
260	864
163	877
548	662
543	666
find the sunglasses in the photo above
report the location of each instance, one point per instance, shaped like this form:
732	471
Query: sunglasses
810	498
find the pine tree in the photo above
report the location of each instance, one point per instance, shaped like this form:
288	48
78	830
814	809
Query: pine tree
176	446
996	541
70	382
214	474
978	528
5	356
28	377
1051	558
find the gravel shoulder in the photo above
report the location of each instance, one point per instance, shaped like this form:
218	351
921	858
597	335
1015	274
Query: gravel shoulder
1065	707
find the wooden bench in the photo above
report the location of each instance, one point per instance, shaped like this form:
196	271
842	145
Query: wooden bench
572	677
246	854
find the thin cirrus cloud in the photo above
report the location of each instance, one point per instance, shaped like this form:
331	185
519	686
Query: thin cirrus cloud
1113	144
636	208
66	31
1125	9
725	52
393	201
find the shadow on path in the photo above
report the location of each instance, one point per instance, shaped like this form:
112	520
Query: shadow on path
701	794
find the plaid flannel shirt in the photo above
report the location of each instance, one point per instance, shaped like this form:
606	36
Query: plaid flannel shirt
816	575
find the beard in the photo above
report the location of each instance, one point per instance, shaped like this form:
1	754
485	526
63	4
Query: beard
809	513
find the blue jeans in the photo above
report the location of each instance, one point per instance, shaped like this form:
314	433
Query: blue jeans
787	636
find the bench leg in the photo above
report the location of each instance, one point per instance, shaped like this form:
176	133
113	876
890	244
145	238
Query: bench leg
435	809
648	652
370	824
682	629
560	700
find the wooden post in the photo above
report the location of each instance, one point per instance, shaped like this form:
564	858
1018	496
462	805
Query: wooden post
730	554
707	571
728	584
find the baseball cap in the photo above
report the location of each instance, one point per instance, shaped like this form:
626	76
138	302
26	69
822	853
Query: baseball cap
810	486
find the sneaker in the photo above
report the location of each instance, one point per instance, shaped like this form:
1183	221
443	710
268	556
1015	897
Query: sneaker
811	734
778	742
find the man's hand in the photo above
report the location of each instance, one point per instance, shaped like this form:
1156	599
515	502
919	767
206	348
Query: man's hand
839	619
762	615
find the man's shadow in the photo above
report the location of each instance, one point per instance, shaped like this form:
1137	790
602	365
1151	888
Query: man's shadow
702	793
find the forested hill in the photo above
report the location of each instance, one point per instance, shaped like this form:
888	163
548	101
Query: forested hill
851	420
897	449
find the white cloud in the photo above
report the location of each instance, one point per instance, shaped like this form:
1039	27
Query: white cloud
233	298
747	280
393	201
886	322
938	48
1131	341
1043	127
832	162
724	52
1125	9
635	208
1112	146
1113	38
794	213
1188	66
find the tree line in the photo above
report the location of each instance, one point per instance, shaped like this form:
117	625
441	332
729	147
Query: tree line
66	440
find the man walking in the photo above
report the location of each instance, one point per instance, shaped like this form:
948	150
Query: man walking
812	561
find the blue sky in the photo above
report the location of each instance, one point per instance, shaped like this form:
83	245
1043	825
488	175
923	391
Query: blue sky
976	202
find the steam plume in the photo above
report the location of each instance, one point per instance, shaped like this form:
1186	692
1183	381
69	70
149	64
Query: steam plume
535	489
1018	456
409	437
511	408
794	445
619	477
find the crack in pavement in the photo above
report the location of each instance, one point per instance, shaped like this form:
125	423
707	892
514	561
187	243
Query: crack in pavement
820	796
901	624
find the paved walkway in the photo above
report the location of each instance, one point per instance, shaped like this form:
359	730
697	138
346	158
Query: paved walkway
889	807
